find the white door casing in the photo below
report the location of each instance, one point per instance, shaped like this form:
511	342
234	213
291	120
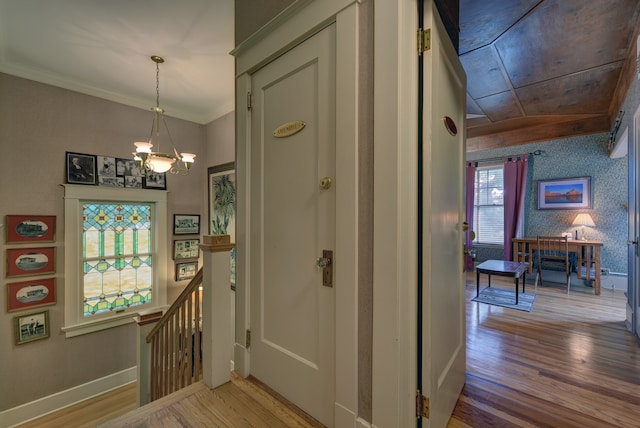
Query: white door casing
292	222
395	224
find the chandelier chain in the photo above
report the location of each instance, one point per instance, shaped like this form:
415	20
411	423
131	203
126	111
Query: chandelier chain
157	84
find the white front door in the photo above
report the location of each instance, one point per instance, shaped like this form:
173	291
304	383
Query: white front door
292	222
443	303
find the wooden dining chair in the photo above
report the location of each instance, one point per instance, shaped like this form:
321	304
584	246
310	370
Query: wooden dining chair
553	253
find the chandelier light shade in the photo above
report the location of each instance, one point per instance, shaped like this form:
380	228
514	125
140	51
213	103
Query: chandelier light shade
157	161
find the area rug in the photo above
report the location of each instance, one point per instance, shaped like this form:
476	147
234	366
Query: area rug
506	298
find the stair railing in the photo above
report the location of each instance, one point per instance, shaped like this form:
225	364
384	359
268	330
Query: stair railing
176	343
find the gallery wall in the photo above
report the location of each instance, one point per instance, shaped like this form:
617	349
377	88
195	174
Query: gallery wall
38	124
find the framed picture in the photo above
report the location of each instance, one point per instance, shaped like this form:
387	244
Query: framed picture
186	270
128	173
81	168
22	229
155	180
186	224
106	166
31	294
222	200
186	249
31	327
564	193
31	261
222	206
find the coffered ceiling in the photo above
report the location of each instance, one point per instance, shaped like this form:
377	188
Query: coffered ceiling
542	69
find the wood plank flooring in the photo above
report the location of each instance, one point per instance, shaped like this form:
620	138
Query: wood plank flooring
568	363
91	412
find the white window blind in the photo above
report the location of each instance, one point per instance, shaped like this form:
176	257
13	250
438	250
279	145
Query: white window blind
488	206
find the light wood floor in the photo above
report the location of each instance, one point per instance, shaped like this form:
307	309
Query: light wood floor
568	363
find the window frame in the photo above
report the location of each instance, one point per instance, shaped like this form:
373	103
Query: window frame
75	323
476	243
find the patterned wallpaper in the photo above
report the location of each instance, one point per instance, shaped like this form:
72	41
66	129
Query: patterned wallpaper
575	157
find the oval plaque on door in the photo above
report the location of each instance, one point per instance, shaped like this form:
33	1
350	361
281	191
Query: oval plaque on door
450	125
288	129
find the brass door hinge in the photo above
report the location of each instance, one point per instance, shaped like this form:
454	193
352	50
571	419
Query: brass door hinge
422	406
248	100
247	339
424	40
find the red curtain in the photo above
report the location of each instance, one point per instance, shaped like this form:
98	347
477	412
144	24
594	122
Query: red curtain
515	186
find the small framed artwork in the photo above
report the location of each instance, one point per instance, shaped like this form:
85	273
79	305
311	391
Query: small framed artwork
222	200
31	294
31	261
186	270
106	166
155	180
565	193
23	229
186	224
81	168
31	327
186	249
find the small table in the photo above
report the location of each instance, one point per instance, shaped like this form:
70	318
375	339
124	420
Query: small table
501	268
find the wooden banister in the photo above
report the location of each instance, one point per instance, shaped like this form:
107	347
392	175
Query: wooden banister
176	343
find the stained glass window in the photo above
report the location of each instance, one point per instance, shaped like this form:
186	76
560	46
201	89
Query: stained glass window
116	256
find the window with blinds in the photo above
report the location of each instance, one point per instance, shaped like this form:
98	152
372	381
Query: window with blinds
488	212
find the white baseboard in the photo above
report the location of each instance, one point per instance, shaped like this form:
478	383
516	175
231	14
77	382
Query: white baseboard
60	400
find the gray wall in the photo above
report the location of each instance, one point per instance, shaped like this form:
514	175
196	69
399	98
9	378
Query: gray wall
38	123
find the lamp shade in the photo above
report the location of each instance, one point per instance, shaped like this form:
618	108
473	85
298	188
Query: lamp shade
583	219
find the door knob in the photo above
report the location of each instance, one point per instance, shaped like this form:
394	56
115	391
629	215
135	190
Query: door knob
326	264
323	262
325	183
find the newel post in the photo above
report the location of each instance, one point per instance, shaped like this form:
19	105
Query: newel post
216	310
145	322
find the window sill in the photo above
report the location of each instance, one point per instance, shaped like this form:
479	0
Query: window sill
105	323
97	325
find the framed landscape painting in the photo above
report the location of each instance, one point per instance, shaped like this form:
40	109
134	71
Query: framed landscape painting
564	193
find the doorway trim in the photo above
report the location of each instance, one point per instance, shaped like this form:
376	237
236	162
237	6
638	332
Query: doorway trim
298	22
395	214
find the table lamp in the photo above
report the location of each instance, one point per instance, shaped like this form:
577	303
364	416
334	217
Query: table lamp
583	219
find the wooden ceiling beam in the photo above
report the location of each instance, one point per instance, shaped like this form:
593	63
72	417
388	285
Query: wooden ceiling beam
551	130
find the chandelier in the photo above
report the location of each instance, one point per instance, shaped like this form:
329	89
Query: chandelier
151	161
